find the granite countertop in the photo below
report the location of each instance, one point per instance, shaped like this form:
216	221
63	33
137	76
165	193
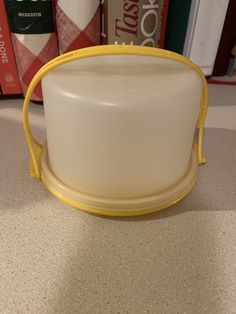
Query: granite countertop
57	259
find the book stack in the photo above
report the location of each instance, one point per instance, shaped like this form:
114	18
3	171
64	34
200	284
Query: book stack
32	32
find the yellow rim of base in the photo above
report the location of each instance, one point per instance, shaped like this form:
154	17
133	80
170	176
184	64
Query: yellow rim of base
35	147
128	213
52	187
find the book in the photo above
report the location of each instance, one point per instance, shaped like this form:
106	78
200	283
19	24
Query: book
227	41
206	20
78	24
177	23
134	22
9	80
33	37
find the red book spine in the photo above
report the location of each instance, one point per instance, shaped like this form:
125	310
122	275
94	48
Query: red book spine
9	79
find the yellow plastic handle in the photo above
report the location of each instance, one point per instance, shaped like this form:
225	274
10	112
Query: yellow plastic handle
35	147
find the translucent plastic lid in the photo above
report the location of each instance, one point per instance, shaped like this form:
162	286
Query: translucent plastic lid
110	76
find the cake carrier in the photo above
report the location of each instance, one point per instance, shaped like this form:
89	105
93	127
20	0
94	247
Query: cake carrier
124	128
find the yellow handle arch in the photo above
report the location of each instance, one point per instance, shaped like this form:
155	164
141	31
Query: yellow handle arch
35	147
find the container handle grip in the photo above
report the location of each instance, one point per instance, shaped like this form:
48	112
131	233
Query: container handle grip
35	147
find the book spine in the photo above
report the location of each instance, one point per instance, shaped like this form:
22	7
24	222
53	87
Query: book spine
227	41
177	22
78	24
34	38
204	32
9	80
137	22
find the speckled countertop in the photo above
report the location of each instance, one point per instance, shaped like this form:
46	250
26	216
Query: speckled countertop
57	259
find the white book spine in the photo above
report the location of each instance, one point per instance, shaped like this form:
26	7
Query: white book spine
204	30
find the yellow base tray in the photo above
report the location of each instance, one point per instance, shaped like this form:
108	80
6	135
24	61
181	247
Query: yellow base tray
119	207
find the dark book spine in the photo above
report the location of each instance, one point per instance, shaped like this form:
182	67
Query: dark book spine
177	23
227	42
